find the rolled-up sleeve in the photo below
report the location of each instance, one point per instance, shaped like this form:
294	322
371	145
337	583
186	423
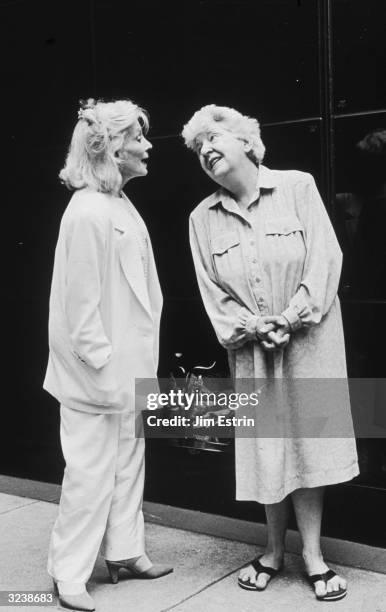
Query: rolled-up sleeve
323	262
233	323
86	246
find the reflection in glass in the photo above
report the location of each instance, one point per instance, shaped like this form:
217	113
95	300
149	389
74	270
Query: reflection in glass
361	217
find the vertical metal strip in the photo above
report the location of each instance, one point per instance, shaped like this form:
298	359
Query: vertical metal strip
326	88
93	47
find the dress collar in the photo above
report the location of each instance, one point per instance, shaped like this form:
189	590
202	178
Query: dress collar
266	179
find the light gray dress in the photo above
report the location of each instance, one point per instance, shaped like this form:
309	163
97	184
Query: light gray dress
280	256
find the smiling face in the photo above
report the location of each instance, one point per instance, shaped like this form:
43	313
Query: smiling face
220	153
133	154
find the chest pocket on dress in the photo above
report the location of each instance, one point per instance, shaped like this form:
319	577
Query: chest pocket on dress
285	243
227	256
283	226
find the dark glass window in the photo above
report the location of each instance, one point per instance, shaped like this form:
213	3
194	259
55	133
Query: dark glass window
359	55
259	57
360	166
295	146
47	67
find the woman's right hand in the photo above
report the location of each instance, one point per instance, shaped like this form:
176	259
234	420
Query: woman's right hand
264	326
279	336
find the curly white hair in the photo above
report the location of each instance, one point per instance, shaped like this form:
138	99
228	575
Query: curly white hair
210	116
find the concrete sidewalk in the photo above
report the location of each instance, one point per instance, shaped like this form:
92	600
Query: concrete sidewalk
204	579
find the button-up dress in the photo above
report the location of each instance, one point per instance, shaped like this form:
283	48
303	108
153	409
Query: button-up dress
279	256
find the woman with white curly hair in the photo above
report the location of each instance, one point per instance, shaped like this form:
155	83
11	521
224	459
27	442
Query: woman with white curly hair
105	308
268	266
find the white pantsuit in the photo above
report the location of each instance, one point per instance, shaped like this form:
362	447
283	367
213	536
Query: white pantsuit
102	490
105	308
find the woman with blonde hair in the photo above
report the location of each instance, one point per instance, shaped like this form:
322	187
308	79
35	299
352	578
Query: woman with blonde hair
105	308
268	266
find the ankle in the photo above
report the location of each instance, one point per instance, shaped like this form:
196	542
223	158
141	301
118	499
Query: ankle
312	555
275	552
141	563
314	562
274	557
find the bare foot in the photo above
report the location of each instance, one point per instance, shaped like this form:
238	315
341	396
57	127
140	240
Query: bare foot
261	581
316	565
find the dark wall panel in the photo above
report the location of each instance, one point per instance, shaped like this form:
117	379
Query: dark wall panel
260	57
47	65
295	147
359	55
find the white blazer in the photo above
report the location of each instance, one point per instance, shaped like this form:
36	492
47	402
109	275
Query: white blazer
104	311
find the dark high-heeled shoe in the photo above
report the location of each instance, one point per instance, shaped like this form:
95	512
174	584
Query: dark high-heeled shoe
155	571
80	601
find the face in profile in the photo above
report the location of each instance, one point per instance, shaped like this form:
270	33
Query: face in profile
133	154
220	152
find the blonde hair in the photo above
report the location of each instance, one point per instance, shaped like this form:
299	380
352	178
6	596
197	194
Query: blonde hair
246	128
98	135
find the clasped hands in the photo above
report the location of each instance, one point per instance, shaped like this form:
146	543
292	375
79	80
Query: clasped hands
273	332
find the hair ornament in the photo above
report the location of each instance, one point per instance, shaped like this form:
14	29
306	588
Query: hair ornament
85	106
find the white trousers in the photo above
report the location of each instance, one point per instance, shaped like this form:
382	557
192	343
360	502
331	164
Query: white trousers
102	493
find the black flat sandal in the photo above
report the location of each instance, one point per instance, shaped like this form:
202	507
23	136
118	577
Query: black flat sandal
334	595
260	569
